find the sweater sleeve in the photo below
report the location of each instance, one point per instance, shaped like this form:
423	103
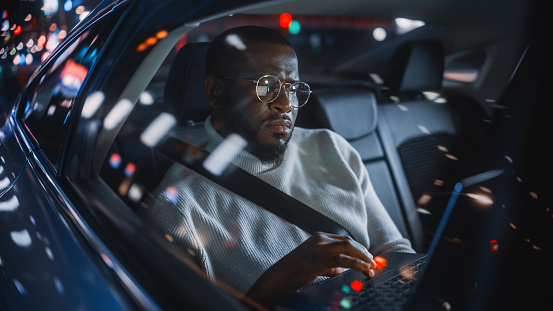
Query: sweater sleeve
384	234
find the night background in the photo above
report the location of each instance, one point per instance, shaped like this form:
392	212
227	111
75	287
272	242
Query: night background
30	30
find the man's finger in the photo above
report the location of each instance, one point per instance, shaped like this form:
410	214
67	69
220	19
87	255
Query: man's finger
345	261
333	271
350	248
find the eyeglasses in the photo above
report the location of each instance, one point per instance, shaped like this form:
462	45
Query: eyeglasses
268	88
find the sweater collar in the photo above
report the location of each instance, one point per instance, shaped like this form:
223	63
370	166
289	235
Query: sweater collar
244	159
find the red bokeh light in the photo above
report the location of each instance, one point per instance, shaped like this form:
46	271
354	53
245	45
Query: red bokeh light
130	169
356	285
285	20
494	245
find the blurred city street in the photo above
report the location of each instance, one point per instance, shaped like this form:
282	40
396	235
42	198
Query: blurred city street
30	30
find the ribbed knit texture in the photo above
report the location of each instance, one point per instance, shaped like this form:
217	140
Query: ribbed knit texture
235	241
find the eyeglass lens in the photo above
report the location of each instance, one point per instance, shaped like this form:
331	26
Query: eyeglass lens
268	89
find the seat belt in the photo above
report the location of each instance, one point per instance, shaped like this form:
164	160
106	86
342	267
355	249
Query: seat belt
252	188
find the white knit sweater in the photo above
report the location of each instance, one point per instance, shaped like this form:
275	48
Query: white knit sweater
235	241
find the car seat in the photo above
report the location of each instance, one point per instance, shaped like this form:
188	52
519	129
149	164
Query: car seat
422	138
352	113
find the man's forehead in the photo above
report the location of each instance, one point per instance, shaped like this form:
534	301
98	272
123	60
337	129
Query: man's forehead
269	56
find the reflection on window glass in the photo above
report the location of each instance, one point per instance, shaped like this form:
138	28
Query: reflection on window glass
48	109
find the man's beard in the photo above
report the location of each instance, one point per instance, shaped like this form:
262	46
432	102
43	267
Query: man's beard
269	154
236	122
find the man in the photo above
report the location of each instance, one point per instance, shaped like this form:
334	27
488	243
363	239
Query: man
253	87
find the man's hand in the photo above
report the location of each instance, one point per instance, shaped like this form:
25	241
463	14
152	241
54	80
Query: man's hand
322	254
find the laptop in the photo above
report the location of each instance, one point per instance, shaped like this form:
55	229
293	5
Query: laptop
405	281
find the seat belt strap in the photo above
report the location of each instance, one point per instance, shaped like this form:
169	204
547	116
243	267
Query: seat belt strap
253	189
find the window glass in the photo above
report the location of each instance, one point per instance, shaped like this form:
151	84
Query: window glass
150	163
48	107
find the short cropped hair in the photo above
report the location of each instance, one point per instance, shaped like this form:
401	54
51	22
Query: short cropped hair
226	52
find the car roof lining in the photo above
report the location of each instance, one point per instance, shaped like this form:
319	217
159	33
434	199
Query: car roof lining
492	19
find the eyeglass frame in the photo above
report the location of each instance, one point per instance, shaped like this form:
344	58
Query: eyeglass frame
256	82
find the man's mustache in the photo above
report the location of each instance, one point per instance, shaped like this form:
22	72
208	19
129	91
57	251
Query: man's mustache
282	116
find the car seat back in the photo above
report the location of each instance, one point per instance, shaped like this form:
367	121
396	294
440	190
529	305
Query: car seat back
184	90
352	113
422	138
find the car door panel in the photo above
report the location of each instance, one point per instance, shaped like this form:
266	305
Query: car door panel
43	258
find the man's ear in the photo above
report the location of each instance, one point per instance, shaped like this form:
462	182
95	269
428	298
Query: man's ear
214	90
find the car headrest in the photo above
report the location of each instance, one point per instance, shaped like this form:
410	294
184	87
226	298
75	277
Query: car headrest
184	89
416	66
350	112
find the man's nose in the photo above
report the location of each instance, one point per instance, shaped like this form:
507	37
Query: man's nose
282	102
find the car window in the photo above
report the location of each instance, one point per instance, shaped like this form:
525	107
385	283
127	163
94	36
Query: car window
49	105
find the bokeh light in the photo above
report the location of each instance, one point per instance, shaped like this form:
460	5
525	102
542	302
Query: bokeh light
381	262
357	285
346	303
130	169
115	161
379	34
494	245
294	28
171	194
285	20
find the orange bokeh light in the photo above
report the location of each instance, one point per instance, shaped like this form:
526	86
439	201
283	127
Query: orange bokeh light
381	262
141	47
161	34
151	41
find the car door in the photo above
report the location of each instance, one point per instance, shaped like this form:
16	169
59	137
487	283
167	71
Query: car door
46	261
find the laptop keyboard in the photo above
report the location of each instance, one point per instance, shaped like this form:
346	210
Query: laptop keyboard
390	295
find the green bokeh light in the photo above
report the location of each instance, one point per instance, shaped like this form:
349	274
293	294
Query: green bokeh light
294	27
346	303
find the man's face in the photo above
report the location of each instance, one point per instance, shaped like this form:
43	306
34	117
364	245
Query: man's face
266	126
